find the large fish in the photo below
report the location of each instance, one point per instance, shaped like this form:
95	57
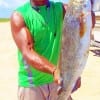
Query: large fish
75	45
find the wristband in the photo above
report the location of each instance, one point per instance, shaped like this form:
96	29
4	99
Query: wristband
53	71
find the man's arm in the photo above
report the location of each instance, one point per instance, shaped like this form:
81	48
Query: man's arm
25	44
64	9
92	14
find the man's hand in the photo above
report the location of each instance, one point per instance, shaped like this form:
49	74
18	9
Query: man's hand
58	80
56	75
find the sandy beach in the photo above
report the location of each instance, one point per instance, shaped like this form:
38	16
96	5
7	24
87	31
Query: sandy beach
90	89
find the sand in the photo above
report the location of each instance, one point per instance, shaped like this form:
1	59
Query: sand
8	64
90	89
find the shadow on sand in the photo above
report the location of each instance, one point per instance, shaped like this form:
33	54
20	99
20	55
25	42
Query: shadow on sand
96	52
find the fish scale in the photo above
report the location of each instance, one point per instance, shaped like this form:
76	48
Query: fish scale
74	49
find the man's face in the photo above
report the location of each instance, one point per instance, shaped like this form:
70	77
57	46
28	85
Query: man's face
40	0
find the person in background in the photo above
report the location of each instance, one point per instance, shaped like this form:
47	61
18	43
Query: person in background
93	22
36	28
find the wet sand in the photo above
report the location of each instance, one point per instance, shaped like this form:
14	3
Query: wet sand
90	89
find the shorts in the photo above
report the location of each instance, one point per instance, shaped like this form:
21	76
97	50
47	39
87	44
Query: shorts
45	92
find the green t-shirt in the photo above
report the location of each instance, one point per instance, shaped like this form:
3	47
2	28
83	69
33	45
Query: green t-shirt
45	25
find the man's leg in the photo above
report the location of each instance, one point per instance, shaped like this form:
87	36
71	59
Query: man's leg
33	93
77	84
53	91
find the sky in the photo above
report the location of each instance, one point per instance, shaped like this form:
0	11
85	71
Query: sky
7	6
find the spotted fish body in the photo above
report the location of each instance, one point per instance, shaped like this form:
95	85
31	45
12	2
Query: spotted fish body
75	46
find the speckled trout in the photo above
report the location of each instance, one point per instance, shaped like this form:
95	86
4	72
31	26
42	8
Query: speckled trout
75	45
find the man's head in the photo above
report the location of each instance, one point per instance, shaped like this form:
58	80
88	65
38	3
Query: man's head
39	2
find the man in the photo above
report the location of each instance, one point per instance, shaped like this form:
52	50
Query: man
93	22
36	28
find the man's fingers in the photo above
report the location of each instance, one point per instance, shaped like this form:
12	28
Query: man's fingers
60	87
59	90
